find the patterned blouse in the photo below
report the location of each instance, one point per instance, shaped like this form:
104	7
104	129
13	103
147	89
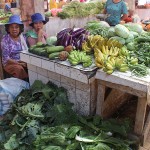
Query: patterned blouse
10	49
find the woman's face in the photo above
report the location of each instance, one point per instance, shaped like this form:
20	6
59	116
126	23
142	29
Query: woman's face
14	30
38	25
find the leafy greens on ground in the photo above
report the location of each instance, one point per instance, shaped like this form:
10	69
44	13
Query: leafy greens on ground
42	118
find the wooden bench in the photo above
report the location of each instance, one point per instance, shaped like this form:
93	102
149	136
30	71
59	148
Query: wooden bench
126	83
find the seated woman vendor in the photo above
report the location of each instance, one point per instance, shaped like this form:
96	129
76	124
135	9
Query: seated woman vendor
11	45
37	34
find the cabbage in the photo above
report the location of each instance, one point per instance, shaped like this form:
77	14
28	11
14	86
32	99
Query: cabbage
51	40
130	38
104	24
134	27
111	32
135	34
121	31
131	46
119	39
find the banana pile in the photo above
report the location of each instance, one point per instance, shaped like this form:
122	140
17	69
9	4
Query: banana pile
79	57
113	58
97	41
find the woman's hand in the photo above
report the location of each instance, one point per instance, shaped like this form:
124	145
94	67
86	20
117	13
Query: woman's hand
41	36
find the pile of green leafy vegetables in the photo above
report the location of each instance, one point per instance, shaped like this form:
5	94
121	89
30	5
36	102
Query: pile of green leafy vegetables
97	28
79	10
142	49
42	118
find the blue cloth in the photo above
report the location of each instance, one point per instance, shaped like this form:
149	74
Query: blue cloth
115	10
7	7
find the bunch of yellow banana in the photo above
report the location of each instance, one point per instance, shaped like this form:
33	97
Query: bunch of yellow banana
110	65
86	48
113	51
100	58
114	43
123	51
93	40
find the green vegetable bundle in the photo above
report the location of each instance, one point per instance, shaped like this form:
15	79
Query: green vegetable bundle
42	118
77	9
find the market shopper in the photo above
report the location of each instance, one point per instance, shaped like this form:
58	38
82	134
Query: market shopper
11	45
116	10
37	34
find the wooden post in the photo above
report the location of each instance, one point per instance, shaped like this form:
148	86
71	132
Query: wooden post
29	7
140	115
100	98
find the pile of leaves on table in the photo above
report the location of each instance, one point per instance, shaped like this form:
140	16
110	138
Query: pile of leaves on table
42	119
76	9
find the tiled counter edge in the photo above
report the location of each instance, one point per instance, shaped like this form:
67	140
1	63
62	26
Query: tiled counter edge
81	90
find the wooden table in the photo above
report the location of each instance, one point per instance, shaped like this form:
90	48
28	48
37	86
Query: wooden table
126	83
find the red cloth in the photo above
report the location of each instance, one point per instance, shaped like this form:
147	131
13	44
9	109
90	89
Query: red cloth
128	19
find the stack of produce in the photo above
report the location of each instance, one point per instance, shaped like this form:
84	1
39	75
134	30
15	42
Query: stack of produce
77	9
42	118
51	51
125	33
141	48
73	37
4	17
98	28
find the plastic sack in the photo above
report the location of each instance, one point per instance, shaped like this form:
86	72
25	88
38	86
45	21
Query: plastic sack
9	89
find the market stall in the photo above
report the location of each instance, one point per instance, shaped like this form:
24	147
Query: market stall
127	83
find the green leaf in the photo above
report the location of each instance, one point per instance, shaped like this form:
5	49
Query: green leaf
12	143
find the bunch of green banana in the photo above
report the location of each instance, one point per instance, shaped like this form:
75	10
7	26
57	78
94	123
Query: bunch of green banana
133	61
123	51
77	57
123	67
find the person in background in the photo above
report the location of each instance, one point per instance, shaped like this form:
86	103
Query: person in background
11	45
61	3
37	34
116	10
52	4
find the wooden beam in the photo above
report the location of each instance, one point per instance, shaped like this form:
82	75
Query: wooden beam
100	98
114	101
146	129
140	115
124	88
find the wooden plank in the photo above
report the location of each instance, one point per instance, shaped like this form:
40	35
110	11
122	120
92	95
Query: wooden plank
113	102
124	88
142	148
146	129
140	115
100	98
148	94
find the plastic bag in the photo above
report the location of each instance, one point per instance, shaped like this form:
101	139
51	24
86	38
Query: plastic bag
9	89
